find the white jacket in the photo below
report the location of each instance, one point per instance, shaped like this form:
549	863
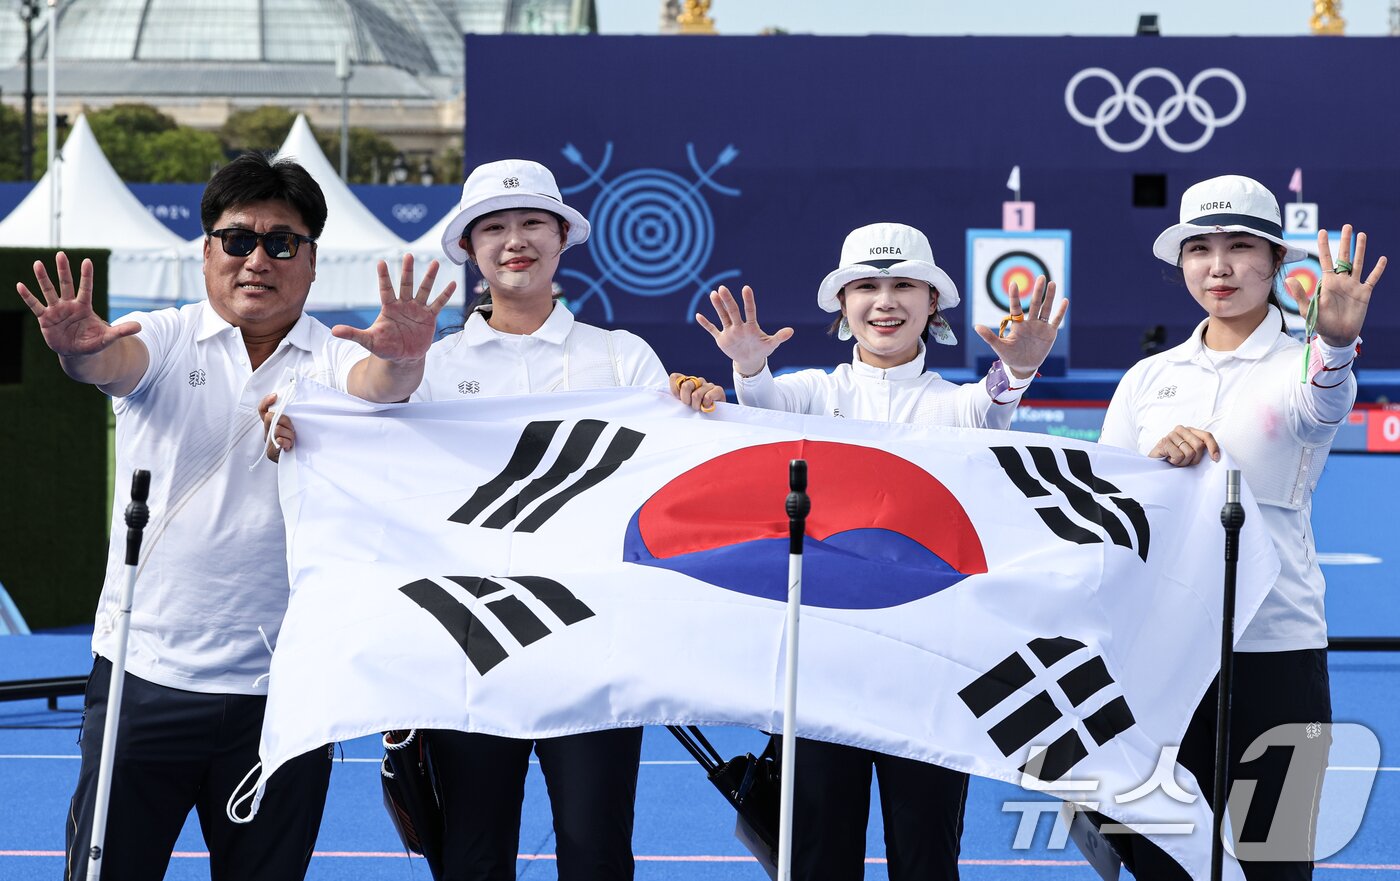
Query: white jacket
1276	427
900	394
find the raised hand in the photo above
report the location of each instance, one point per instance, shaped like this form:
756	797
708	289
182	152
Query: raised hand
66	319
1343	297
404	329
1024	347
696	392
738	337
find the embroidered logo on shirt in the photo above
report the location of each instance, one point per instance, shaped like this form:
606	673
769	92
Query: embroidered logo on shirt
469	387
198	377
836	411
511	183
1166	391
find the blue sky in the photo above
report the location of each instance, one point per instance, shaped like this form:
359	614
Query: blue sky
1004	17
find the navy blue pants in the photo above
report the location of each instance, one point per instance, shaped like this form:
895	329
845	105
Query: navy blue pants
178	750
592	782
922	806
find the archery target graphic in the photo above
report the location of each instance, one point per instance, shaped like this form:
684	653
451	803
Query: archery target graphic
1307	273
1014	270
653	230
997	260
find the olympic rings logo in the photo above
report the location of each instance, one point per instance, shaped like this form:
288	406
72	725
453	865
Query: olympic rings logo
409	212
1141	112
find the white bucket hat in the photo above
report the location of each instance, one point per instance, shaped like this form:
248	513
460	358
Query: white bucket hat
509	183
1229	203
891	249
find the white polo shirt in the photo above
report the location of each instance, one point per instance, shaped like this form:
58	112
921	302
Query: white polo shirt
561	355
213	561
900	394
1277	428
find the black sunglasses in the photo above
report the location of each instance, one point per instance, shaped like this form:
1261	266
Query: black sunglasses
278	245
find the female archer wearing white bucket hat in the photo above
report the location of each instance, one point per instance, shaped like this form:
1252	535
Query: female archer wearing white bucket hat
513	225
891	296
1241	385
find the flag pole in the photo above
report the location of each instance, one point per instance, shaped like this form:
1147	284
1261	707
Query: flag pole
798	505
52	145
1232	518
137	514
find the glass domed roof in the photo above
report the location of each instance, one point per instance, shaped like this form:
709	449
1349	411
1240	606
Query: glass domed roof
420	36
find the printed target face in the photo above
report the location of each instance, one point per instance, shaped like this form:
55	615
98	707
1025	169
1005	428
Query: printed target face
1305	272
997	261
1015	270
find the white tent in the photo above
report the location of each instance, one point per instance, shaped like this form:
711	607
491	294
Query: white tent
428	247
349	246
96	210
353	240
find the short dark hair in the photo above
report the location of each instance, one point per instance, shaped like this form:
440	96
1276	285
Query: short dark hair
255	177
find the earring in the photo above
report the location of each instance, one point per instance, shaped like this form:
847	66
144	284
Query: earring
844	331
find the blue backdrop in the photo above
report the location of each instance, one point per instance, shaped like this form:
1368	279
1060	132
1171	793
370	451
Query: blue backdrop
408	211
748	159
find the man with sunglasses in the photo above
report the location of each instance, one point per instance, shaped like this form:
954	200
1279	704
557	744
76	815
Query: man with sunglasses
212	586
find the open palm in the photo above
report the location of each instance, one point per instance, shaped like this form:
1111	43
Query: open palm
69	325
1342	297
407	322
738	336
1030	334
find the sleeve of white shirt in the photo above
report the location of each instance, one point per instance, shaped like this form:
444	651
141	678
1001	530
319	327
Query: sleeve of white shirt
992	402
637	364
1320	404
343	358
791	393
159	331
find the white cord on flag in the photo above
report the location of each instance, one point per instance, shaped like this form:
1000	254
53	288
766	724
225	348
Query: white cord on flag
235	799
285	393
263	634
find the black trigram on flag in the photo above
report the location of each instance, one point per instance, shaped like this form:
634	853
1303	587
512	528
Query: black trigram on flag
1081	490
515	616
563	480
1079	680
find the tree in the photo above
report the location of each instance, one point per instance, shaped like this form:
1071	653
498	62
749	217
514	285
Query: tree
11	139
183	155
265	128
448	166
261	128
371	155
123	131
